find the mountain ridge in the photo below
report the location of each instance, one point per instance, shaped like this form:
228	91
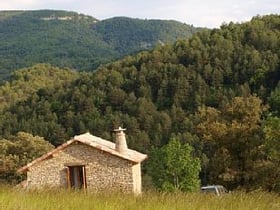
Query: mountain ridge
77	41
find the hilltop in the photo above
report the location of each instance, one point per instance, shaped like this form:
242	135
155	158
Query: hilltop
77	41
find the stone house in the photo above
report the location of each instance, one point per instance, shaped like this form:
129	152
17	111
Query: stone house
88	162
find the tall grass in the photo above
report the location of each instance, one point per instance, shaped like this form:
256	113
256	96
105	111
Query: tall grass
14	199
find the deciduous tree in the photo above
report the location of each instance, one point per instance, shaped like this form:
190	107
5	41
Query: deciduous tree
173	167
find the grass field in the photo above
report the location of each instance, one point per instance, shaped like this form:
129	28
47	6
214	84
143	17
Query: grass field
36	200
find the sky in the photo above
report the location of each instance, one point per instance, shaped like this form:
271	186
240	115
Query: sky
203	13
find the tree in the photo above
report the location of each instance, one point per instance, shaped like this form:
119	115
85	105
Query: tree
233	141
17	151
272	147
274	101
173	167
272	137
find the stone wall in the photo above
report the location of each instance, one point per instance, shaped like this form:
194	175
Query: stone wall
137	181
103	170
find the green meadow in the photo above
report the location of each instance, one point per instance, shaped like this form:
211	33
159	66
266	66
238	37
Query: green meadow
17	199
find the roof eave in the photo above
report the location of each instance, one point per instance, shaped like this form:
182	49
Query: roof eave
45	156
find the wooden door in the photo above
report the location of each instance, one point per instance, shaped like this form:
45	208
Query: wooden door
76	176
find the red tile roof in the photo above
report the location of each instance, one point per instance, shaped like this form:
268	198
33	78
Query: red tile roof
94	142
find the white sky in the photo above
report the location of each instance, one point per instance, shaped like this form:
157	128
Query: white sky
205	13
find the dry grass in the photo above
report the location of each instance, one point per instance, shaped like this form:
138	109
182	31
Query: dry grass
61	199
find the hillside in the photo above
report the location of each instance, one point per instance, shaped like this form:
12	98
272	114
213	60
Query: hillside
77	41
218	91
24	82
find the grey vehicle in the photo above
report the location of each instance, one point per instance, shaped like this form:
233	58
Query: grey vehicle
215	189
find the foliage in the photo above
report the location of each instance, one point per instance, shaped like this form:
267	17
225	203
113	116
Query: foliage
133	35
25	82
234	140
272	146
17	151
173	167
274	101
272	136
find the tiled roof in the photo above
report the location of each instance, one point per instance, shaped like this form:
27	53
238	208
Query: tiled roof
94	142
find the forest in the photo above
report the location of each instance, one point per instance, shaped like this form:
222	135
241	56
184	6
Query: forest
77	41
217	92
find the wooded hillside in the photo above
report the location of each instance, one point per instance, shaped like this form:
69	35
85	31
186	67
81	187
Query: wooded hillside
77	41
218	91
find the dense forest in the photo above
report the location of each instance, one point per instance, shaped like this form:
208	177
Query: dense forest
77	41
217	91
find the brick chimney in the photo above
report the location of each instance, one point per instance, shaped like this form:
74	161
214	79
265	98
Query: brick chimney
121	145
